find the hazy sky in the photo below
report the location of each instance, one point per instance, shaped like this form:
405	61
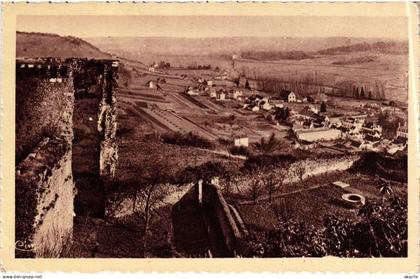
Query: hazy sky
216	26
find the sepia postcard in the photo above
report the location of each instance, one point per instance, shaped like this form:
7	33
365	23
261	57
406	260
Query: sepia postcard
216	137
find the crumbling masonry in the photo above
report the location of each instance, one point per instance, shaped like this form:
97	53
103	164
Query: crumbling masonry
65	148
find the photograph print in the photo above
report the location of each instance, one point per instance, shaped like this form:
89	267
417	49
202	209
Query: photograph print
199	136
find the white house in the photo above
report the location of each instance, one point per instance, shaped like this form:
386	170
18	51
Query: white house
394	148
221	96
266	106
255	108
313	109
237	93
318	134
241	141
288	96
402	131
151	84
213	94
353	124
192	92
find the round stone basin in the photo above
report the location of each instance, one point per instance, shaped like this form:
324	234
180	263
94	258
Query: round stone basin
353	200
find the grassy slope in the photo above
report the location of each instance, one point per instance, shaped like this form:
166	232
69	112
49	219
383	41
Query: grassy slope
51	45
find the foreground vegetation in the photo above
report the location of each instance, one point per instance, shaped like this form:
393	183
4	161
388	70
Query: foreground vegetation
380	232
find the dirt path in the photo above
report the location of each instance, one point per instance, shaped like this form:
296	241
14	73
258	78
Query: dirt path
223	153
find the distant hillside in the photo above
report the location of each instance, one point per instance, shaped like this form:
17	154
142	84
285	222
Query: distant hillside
51	45
380	47
222	45
388	47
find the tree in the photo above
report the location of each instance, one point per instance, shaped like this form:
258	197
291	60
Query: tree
323	107
272	179
268	146
247	85
362	93
229	181
355	92
384	187
155	173
255	184
286	112
299	170
205	171
145	191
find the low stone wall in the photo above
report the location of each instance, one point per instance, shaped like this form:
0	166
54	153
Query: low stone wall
322	165
309	167
44	200
94	146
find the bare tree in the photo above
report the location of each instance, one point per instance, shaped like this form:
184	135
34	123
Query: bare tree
153	178
273	179
255	185
299	170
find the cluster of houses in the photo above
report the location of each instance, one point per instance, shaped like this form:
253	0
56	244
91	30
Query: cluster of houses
256	103
223	75
310	126
220	94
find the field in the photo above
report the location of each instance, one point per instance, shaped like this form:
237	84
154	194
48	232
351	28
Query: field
389	69
170	110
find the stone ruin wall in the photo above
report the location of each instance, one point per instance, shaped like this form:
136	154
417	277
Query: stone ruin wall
189	222
44	104
48	120
44	182
94	144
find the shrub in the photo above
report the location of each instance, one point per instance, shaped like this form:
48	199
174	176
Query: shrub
225	141
380	232
264	160
239	150
204	171
188	139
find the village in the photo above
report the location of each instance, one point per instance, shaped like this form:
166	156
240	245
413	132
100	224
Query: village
306	121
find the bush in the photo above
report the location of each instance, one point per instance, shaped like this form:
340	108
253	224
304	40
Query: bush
265	160
225	141
188	139
204	171
239	150
380	232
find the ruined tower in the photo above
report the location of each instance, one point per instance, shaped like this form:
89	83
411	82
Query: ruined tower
65	147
